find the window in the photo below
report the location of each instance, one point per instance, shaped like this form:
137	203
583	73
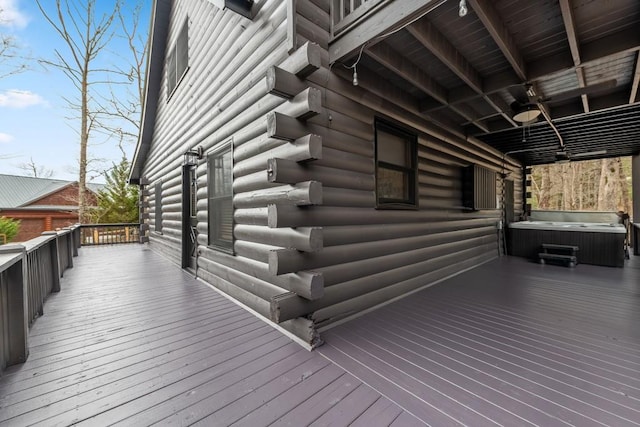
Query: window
158	207
396	166
178	60
220	174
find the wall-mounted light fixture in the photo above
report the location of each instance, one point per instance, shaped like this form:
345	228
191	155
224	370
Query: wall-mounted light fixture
192	156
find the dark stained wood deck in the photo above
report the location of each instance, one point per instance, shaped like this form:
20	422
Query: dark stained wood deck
133	340
508	343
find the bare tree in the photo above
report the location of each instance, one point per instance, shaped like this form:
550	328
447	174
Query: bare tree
34	170
85	36
544	199
123	104
11	61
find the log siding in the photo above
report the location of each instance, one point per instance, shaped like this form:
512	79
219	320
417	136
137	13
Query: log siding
310	247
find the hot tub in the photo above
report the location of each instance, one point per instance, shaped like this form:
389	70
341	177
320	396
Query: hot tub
599	243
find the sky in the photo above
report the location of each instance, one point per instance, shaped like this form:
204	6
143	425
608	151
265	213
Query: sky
36	123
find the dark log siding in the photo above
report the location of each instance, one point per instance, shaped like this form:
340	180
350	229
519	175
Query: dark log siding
360	256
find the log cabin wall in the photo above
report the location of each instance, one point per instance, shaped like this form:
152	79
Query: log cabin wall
310	246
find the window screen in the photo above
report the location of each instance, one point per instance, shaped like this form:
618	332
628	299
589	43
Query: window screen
220	175
396	166
178	59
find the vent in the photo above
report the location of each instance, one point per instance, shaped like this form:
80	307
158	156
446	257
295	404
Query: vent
478	188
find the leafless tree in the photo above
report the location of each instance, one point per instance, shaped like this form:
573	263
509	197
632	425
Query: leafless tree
588	185
34	170
11	61
85	35
123	104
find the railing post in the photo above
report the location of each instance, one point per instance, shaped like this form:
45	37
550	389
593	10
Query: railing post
68	240
75	231
55	265
17	308
58	251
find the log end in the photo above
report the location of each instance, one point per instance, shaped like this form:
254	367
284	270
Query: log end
315	193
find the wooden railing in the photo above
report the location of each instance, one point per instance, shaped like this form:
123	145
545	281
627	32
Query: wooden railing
346	13
109	234
31	271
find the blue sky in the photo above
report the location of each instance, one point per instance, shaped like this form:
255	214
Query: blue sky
35	120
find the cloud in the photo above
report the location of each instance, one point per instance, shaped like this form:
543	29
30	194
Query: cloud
14	98
11	16
5	138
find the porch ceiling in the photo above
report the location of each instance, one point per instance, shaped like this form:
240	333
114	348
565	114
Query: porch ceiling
465	73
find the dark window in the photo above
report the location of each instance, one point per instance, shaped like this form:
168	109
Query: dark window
158	207
178	60
396	166
220	174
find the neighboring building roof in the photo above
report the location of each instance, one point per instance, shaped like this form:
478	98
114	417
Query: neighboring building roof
19	191
66	208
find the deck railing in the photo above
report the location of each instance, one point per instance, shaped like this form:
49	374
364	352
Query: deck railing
30	271
346	13
109	234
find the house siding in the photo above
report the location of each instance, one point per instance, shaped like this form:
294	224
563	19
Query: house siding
311	248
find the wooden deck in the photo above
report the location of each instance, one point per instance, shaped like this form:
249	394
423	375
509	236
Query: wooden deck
509	343
133	340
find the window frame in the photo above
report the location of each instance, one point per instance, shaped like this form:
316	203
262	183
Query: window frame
157	190
180	47
212	242
410	171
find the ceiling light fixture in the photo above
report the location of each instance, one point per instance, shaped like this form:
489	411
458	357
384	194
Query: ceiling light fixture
462	10
526	113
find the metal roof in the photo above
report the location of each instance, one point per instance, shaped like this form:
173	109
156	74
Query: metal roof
20	191
464	71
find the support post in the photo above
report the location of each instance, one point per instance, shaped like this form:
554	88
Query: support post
17	300
635	186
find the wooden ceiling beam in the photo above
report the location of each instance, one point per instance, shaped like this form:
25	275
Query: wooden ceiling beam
470	115
501	106
390	59
636	81
570	28
434	41
500	34
591	53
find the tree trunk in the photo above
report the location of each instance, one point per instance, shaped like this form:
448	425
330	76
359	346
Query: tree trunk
566	187
544	199
623	189
84	139
607	196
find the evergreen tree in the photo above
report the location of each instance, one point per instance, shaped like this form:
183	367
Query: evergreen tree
118	201
8	229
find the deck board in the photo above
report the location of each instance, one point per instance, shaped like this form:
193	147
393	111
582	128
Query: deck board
511	341
137	341
133	340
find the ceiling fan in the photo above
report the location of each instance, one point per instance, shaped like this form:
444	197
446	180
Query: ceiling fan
527	105
562	155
